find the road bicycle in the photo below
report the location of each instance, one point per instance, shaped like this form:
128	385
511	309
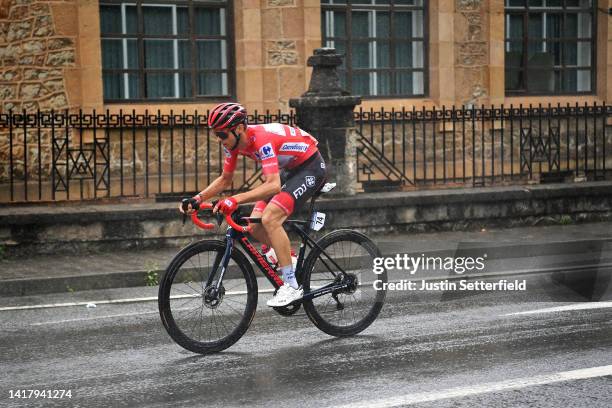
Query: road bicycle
208	294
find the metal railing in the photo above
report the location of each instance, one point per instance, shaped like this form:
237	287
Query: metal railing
483	146
57	156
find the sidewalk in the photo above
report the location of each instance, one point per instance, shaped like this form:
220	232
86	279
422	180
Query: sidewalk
65	273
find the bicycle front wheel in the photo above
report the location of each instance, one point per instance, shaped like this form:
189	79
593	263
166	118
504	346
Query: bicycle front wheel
206	318
349	311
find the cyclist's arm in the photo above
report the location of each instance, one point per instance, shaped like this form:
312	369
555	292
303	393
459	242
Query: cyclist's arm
223	182
271	186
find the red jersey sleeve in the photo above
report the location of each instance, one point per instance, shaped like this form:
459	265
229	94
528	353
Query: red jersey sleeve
231	158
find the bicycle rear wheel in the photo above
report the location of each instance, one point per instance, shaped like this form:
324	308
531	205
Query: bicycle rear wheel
354	309
198	317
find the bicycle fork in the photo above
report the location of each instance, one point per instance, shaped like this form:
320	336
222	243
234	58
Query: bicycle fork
220	261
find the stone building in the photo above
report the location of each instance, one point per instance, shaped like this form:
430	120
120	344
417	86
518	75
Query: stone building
113	54
186	55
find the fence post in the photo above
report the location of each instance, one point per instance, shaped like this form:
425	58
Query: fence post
326	112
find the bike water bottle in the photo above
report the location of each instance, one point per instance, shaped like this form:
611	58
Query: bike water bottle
293	259
269	254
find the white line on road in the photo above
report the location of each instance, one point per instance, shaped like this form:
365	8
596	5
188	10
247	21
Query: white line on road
151	299
460	392
575	306
113	301
84	319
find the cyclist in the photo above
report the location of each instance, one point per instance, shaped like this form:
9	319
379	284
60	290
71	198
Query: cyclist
293	170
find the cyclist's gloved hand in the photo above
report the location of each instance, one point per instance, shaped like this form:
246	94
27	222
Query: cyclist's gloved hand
226	206
189	205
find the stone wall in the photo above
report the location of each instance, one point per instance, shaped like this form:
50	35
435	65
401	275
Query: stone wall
67	229
33	56
273	40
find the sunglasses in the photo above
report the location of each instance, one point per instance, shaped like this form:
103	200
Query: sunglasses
221	135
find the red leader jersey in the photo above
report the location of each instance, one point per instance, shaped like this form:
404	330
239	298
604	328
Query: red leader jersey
276	146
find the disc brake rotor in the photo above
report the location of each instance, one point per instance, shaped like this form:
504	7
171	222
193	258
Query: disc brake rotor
212	297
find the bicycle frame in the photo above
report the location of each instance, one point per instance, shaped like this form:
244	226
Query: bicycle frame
232	236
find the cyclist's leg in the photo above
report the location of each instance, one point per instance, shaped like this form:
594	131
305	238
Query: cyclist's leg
300	186
257	230
272	220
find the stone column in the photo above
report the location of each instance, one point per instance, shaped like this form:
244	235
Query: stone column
442	52
326	112
248	43
497	88
604	54
472	52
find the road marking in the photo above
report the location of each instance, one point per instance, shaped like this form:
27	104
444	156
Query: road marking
575	306
84	319
460	392
114	301
151	299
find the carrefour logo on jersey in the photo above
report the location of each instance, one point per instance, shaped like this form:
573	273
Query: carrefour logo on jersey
266	151
294	147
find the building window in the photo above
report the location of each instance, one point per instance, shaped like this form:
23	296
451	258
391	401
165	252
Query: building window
550	46
174	50
384	43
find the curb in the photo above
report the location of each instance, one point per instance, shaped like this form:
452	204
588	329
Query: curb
39	286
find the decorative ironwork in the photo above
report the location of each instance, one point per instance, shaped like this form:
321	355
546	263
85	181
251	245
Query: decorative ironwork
371	161
540	148
90	155
481	146
77	156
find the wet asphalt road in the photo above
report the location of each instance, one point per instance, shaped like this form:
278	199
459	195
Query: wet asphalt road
120	355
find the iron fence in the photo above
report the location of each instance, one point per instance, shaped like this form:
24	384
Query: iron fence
483	146
56	156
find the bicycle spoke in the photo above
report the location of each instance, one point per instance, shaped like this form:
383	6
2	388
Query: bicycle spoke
195	291
234	301
200	328
187	293
199	270
216	328
189	300
192	326
223	324
192	310
233	321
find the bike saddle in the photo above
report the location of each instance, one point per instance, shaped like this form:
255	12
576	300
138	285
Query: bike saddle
325	188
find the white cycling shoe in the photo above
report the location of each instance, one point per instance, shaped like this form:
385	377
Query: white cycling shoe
285	295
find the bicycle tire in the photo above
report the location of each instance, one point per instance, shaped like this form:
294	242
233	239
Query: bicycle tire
179	276
320	310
